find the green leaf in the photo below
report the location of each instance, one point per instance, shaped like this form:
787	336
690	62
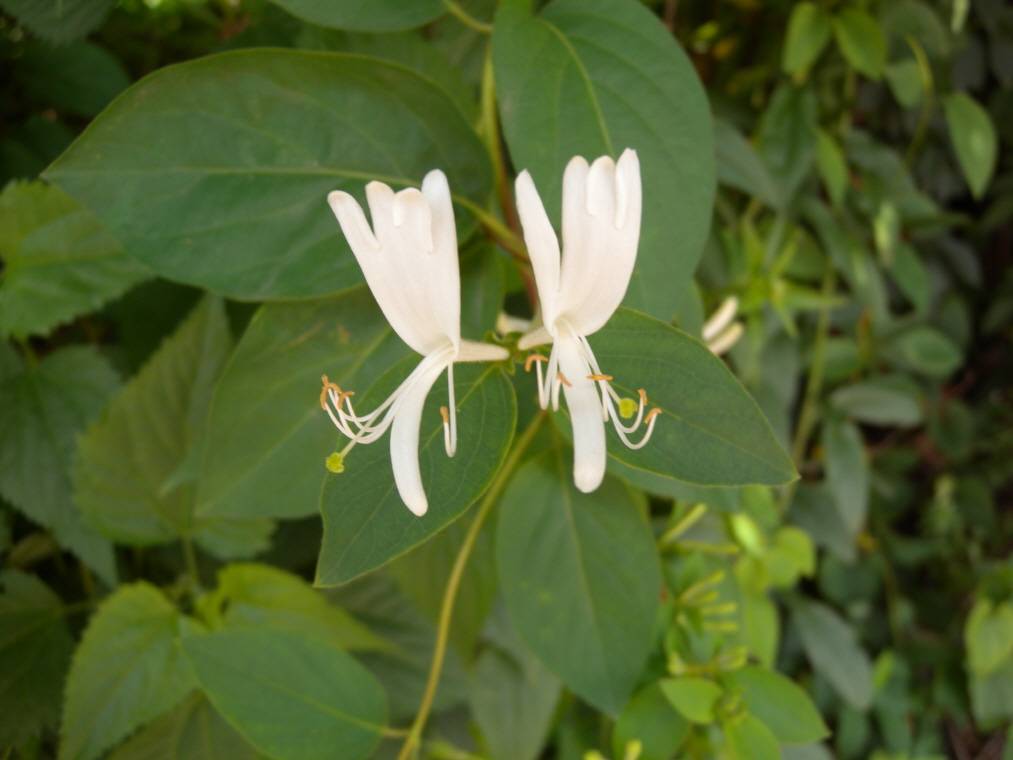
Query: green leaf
710	431
861	40
992	696
43	407
787	136
847	472
250	143
365	523
289	695
888	400
832	166
59	21
80	78
781	705
905	80
568	83
127	670
808	35
740	166
832	647
35	648
650	719
372	16
926	350
749	739
267	435
125	472
569	562
989	636
974	140
261	596
58	262
695	698
512	695
194	730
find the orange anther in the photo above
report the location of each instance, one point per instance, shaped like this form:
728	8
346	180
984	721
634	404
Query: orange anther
605	378
445	414
563	380
532	358
643	395
652	414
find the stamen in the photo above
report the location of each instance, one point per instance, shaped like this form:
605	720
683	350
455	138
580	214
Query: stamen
563	380
600	378
532	358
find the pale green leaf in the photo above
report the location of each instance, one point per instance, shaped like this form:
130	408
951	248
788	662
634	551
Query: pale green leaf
749	739
905	80
833	649
847	471
861	41
927	351
988	635
781	705
974	140
787	136
740	166
573	562
832	166
888	400
808	35
695	698
127	670
650	719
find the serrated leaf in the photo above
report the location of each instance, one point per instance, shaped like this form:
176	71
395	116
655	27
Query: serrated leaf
568	83
833	649
58	261
44	405
309	699
365	522
35	648
808	34
61	21
250	143
372	16
781	705
570	561
974	140
127	670
861	40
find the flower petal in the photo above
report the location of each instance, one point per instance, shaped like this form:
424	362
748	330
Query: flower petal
584	405
444	269
472	351
537	337
543	246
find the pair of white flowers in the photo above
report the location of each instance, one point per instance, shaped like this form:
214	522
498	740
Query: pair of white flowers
409	258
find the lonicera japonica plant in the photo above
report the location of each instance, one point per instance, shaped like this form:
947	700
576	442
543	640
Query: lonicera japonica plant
719	298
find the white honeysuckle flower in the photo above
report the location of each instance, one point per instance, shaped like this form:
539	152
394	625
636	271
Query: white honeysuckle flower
720	333
579	292
409	259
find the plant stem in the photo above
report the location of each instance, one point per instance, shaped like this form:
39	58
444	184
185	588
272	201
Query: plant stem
466	18
505	236
454	582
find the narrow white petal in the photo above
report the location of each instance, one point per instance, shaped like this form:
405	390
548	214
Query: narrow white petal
404	440
353	223
537	337
444	274
721	318
584	406
472	351
543	246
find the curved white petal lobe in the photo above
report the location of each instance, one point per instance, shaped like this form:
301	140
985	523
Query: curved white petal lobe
543	246
585	409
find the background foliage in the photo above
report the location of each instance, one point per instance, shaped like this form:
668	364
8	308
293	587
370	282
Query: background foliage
173	286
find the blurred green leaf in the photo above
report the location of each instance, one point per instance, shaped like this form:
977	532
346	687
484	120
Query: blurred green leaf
749	739
250	143
127	670
833	649
781	705
847	471
570	561
905	80
80	78
989	635
974	140
832	166
992	696
305	700
59	21
650	719
888	400
860	38
372	16
787	136
44	405
694	698
35	648
808	34
58	262
912	276
740	166
593	77
926	350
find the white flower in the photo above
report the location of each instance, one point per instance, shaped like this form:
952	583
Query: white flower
409	259
720	333
601	229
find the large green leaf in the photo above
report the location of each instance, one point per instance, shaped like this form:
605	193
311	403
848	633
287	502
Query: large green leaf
58	262
43	407
127	473
780	704
580	577
59	20
249	145
127	670
292	696
365	523
371	16
590	77
834	651
194	730
35	648
974	140
267	435
710	431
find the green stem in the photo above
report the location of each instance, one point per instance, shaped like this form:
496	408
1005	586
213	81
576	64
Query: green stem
925	115
503	234
466	18
454	582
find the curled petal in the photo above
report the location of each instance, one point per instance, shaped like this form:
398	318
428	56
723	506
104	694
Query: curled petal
585	416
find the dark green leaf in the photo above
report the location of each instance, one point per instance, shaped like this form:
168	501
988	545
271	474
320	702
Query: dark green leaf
847	472
293	697
127	670
250	143
808	34
926	350
371	16
570	562
650	719
834	651
58	262
861	40
787	137
365	522
43	407
35	648
781	705
80	78
567	85
887	400
740	166
59	20
974	140
905	80
833	169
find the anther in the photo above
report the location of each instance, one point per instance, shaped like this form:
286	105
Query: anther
532	358
652	414
643	395
327	386
445	414
563	380
600	377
